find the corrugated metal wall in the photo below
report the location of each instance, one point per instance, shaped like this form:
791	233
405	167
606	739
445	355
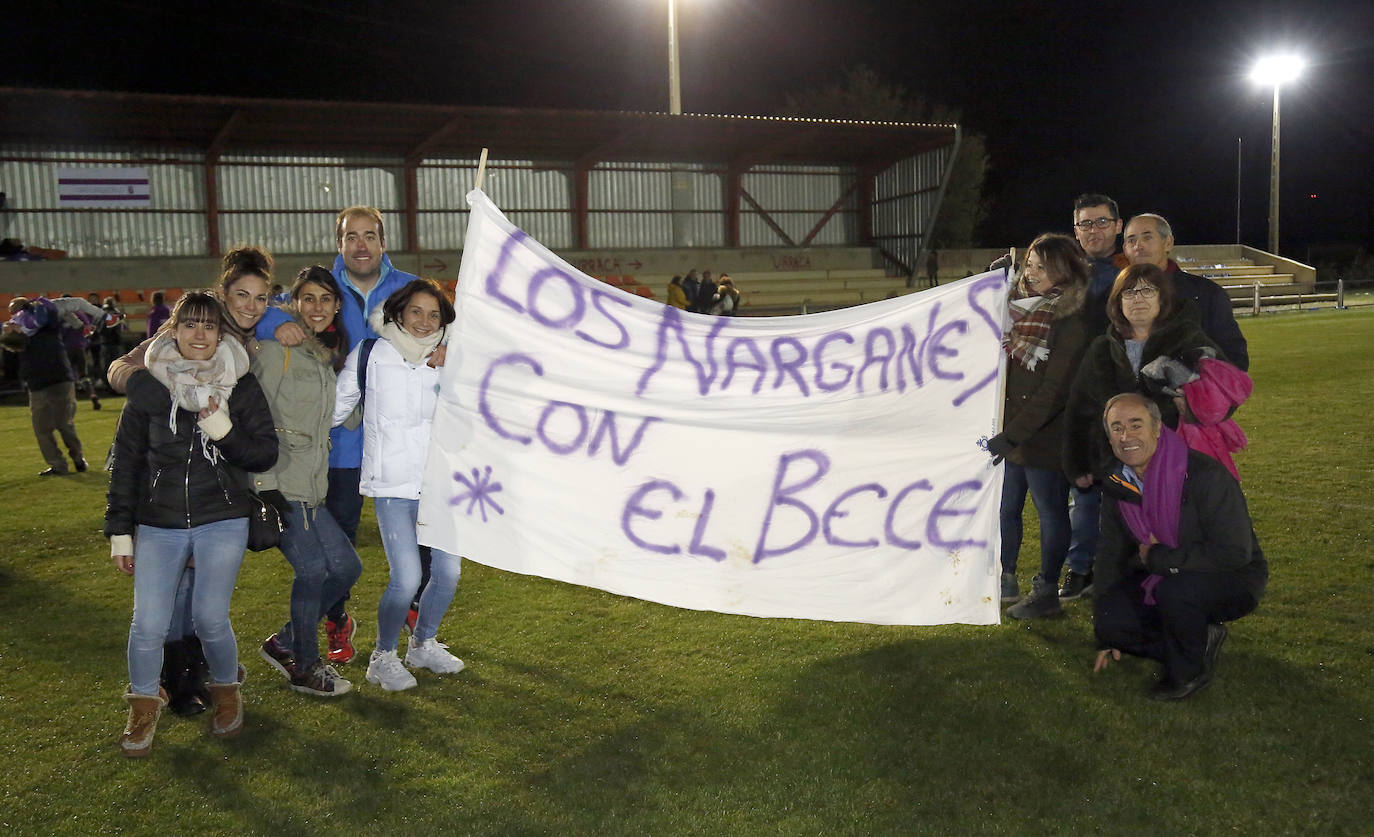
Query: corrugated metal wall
174	224
632	206
796	198
904	200
288	203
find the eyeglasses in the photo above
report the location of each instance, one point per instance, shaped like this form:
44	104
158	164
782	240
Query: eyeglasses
1095	223
1144	292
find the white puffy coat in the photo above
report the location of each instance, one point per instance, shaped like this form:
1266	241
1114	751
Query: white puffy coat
397	415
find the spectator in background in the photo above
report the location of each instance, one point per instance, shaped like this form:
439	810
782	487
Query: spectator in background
111	331
677	297
93	342
157	315
725	302
77	327
933	268
706	294
34	332
690	285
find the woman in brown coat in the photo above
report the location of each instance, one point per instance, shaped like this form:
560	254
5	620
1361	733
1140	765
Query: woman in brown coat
1044	346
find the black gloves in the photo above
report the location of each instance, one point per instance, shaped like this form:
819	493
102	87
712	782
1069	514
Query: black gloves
999	446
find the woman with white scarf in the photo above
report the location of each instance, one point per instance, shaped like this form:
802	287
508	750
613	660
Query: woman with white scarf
399	391
195	423
246	274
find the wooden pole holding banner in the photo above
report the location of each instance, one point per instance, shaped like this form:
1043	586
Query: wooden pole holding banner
481	170
1002	388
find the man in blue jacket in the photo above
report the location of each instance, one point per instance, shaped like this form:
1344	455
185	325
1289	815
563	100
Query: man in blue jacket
367	277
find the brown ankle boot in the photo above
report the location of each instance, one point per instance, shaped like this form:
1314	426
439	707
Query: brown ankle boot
226	719
137	739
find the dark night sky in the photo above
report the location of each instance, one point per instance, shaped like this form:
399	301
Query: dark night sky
1142	101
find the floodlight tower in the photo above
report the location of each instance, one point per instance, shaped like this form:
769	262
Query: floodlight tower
674	74
1274	70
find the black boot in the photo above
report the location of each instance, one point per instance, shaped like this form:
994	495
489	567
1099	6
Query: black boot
180	681
198	670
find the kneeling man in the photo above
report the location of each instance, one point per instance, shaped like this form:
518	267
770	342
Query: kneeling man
1177	555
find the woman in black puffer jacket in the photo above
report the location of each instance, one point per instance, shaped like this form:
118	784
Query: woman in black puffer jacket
196	422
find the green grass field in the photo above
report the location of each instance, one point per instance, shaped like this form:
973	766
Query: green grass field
583	712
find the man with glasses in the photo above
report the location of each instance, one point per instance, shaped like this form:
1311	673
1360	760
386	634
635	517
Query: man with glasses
1149	240
1096	224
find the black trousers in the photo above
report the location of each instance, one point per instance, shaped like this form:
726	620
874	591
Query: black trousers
1174	629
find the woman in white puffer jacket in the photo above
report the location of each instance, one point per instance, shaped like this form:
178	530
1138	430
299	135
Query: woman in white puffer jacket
398	410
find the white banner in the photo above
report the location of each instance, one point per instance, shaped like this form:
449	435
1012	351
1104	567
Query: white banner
103	188
820	467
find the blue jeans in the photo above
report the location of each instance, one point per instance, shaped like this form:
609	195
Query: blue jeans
1050	493
326	566
160	556
345	504
396	519
1086	506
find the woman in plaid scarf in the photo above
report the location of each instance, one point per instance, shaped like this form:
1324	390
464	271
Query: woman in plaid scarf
1044	345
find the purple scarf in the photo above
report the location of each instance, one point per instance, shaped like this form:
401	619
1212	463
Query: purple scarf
1161	500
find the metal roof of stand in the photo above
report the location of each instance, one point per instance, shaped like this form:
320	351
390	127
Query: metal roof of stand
224	125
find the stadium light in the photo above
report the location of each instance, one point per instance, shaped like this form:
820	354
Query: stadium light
674	74
1275	71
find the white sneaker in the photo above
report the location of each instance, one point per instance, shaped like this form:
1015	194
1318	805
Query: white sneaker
433	655
385	670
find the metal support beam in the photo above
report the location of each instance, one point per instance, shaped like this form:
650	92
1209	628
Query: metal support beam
212	244
413	158
212	155
733	190
865	184
767	219
923	246
829	213
581	189
422	148
412	205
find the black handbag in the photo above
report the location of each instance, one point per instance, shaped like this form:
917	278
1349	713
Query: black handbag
264	525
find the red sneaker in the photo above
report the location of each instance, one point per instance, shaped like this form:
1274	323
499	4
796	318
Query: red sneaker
341	639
